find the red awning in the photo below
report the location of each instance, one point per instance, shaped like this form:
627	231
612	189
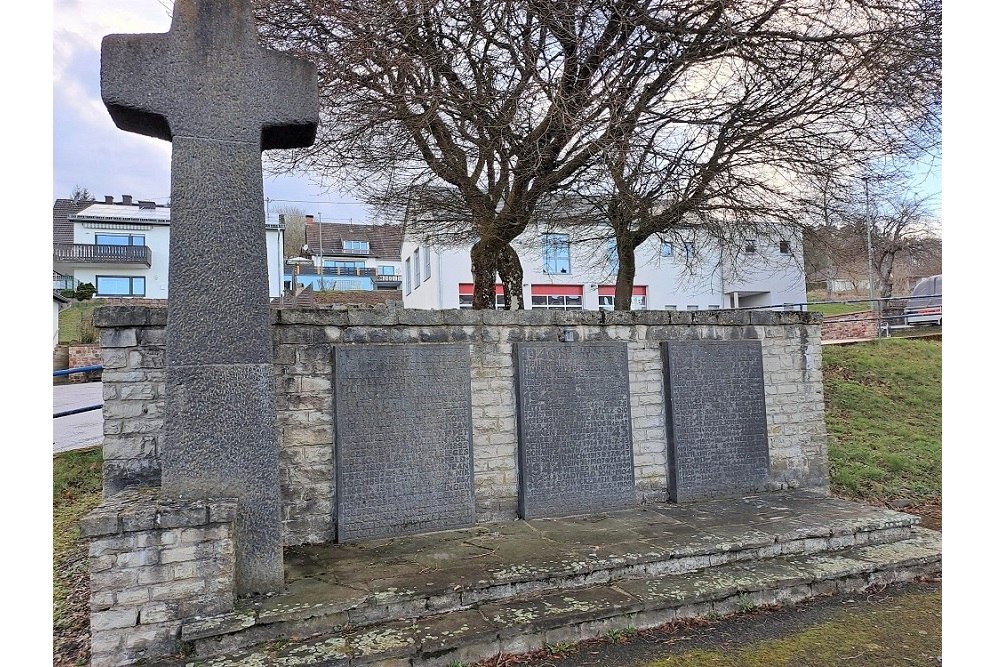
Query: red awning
467	289
609	290
557	290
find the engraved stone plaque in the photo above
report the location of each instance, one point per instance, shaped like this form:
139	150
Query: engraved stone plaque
403	439
716	419
574	428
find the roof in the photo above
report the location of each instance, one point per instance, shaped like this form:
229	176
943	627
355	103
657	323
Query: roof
157	214
62	228
327	238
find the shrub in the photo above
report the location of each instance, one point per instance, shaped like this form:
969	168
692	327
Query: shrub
85	291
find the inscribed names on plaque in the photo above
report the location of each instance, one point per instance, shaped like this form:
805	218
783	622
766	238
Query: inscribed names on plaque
403	439
716	418
574	428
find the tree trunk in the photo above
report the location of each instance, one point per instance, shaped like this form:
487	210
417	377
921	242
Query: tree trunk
492	257
511	275
626	273
485	253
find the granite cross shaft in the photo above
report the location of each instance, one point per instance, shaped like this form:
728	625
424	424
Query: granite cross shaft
221	99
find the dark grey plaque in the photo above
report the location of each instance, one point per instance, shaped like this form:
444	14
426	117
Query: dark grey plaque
574	428
716	419
404	439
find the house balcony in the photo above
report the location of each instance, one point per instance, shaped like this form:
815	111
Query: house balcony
82	253
342	271
388	280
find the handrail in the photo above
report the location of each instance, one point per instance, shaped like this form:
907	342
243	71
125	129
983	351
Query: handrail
70	371
79	369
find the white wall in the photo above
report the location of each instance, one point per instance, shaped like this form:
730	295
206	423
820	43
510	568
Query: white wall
158	241
274	238
703	281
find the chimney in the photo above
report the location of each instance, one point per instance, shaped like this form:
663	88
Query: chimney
147	204
127	200
281	218
109	199
309	220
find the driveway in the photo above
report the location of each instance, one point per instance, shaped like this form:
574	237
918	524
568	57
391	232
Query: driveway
81	430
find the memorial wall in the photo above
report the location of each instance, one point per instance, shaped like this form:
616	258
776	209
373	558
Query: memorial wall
395	421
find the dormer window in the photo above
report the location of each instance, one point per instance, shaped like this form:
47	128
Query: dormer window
356	246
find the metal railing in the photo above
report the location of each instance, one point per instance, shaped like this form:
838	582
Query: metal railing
70	371
94	254
890	313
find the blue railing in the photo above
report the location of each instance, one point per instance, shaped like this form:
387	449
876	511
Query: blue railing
70	371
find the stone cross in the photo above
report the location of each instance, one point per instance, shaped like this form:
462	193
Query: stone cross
221	99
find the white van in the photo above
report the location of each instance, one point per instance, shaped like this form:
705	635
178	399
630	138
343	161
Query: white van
925	304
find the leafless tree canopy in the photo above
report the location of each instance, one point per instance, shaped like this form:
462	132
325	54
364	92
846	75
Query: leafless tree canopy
905	237
478	116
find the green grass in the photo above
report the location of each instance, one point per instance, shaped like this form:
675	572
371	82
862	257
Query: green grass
883	417
76	489
76	322
901	632
837	308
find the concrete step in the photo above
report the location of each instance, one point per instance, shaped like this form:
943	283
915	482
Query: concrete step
530	622
335	587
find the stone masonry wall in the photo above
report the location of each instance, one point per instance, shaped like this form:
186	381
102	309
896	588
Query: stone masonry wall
852	326
154	563
303	348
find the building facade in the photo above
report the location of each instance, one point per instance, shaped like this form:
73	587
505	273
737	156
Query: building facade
123	248
566	273
344	256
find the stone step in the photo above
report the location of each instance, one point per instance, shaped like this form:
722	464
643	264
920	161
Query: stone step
356	585
531	622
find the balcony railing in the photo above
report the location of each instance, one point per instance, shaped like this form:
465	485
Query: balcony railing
388	278
344	271
82	253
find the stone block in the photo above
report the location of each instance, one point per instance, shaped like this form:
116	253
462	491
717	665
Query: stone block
574	428
114	619
403	453
717	427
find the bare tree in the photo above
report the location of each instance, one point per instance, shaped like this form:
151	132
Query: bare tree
295	229
475	117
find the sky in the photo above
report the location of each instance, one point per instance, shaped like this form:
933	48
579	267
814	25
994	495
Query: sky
90	152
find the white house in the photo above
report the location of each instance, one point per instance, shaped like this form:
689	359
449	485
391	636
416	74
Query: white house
122	248
347	256
566	273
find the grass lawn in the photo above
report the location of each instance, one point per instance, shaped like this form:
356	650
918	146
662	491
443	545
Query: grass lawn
76	321
837	308
883	417
76	489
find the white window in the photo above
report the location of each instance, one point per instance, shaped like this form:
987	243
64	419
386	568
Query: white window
356	247
555	252
670	306
557	297
416	268
689	248
785	248
714	307
406	276
121	286
666	249
427	263
694	307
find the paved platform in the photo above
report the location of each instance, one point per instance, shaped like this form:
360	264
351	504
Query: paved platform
464	595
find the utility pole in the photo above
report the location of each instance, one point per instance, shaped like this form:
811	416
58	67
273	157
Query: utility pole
873	304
